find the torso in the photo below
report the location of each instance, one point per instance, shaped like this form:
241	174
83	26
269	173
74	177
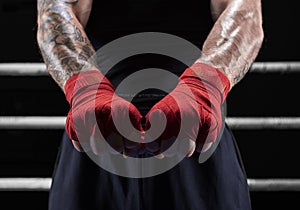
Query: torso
190	19
109	20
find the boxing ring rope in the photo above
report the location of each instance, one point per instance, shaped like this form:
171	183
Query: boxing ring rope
274	184
58	122
37	122
25	184
39	69
43	184
40	122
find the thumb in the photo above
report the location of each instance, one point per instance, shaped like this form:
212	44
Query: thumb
208	132
77	146
156	122
135	117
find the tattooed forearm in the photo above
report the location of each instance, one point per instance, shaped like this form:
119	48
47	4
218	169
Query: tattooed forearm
235	39
63	43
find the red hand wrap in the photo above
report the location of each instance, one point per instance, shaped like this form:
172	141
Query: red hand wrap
201	109
84	79
90	95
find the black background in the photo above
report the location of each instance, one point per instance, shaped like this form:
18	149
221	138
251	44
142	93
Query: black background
266	153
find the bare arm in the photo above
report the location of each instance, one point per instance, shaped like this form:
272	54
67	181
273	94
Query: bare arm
63	43
236	37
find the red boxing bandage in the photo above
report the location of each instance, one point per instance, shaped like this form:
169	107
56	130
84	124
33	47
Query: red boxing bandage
90	95
201	90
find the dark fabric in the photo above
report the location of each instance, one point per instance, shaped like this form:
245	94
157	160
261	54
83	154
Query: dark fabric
217	184
109	20
188	19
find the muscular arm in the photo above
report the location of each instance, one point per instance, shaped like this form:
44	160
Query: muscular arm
63	43
236	37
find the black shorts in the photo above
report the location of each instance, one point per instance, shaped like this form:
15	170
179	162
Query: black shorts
217	184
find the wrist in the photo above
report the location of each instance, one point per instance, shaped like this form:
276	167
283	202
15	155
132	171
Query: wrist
75	84
210	76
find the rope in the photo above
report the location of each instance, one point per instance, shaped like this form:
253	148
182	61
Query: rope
274	184
39	122
32	122
263	122
25	184
23	69
275	67
43	184
39	69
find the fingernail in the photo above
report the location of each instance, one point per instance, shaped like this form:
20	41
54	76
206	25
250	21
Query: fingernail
159	156
124	154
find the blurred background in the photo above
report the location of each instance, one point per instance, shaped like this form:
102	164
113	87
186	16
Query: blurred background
266	153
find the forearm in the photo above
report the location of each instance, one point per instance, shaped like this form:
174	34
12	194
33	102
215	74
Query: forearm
63	43
235	39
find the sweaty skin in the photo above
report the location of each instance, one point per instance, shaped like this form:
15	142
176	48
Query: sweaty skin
231	46
234	41
236	37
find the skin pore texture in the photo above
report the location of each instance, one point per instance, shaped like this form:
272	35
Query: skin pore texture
231	46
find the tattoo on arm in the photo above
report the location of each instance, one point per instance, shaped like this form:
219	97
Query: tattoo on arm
63	43
235	39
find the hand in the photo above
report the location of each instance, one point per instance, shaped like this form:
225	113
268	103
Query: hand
94	107
194	107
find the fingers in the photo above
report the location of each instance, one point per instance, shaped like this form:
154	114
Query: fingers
160	156
156	123
77	146
116	143
166	144
132	130
207	146
186	147
173	146
99	146
153	147
131	148
192	148
159	131
121	127
167	148
125	119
